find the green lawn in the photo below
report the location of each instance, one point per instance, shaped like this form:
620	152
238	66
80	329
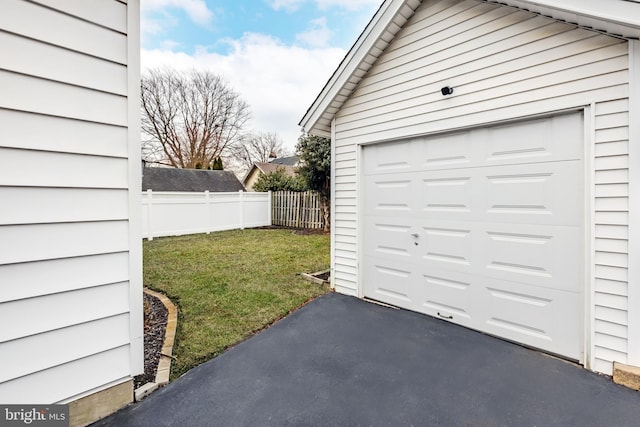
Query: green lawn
230	284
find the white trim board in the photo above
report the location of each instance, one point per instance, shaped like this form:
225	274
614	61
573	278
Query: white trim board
135	197
333	206
634	204
589	237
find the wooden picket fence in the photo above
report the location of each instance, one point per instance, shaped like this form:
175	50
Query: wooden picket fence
296	209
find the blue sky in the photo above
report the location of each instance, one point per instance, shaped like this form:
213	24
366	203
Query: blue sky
277	54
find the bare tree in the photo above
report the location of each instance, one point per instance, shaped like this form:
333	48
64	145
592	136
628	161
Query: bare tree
189	118
257	147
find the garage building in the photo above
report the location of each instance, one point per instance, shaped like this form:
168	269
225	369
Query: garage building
486	169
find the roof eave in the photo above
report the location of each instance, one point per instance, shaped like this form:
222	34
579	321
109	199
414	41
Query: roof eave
316	120
248	174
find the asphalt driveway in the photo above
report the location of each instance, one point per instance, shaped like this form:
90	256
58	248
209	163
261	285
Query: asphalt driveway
340	361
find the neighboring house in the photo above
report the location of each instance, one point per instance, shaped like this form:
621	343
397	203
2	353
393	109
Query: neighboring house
70	245
198	180
288	164
292	161
512	205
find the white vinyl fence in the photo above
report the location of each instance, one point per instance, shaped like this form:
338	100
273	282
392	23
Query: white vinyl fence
167	213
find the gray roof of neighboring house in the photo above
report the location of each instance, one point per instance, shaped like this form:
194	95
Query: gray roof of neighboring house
286	161
173	179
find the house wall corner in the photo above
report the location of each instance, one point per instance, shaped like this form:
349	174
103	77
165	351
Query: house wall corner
634	204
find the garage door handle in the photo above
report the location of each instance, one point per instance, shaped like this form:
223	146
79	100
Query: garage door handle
445	317
416	235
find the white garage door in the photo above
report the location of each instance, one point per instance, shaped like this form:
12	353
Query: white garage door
482	228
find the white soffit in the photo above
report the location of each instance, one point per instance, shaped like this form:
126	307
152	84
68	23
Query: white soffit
616	17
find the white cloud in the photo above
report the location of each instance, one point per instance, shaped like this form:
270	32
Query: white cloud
278	81
292	5
288	5
347	4
197	10
318	35
170	45
150	26
156	16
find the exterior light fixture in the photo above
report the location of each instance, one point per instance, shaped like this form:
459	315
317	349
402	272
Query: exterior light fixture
446	90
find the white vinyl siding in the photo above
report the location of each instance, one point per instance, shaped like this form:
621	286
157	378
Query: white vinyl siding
38	132
345	236
611	227
71	32
65	160
96	336
25	93
79	170
35	205
503	63
62	240
52	276
112	15
64	65
81	374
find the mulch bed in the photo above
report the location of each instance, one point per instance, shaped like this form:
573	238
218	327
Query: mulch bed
155	323
323	276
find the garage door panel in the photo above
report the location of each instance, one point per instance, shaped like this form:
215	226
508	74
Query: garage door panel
548	139
389	238
541	193
543	140
448	193
447	151
543	318
520	192
446	245
541	255
510	143
544	193
446	295
390	158
390	195
538	255
390	281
